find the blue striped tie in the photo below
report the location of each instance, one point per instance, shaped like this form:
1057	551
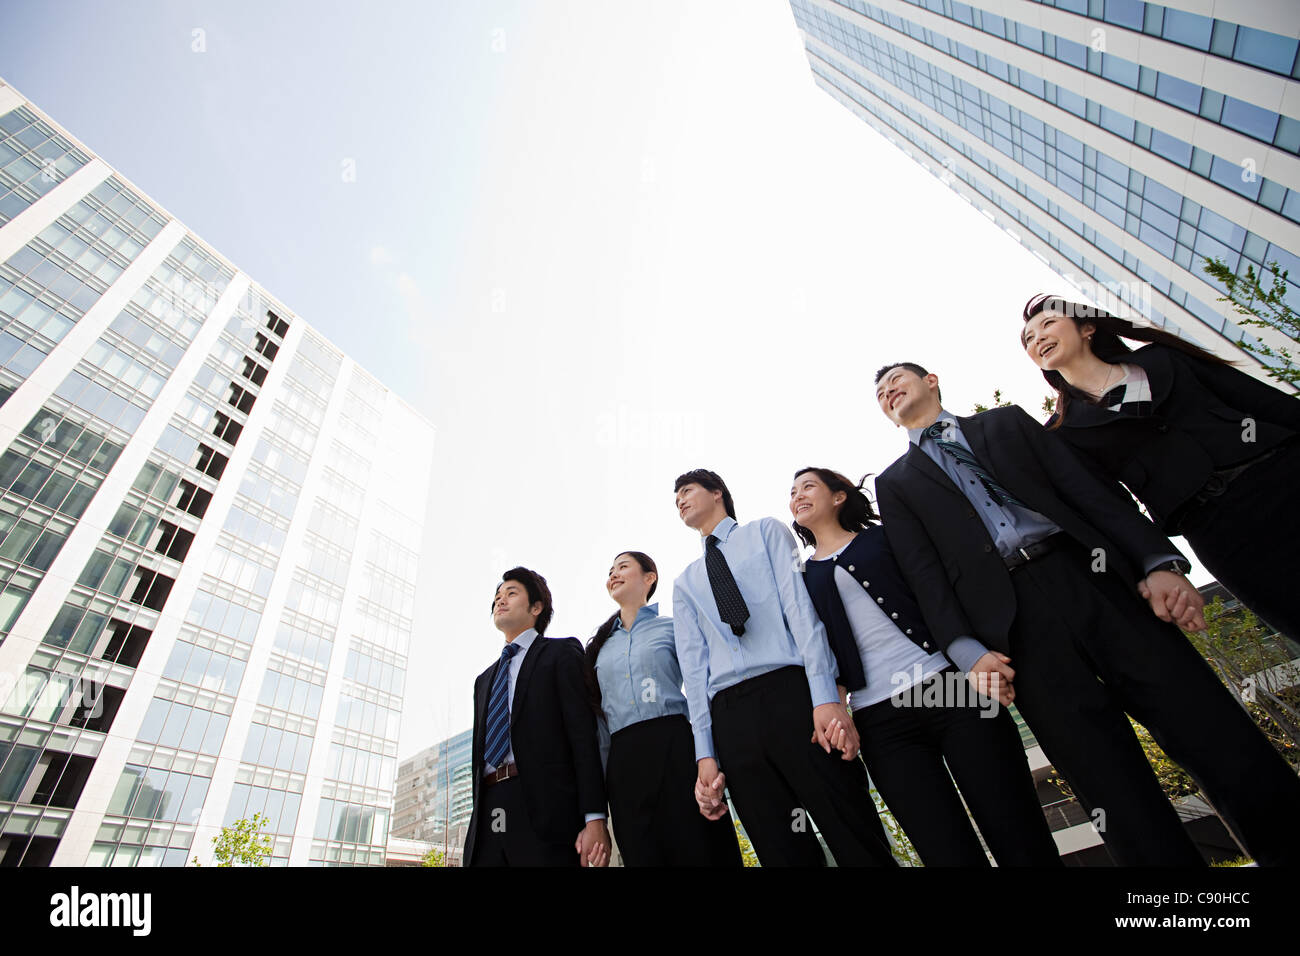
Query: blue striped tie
938	432
498	718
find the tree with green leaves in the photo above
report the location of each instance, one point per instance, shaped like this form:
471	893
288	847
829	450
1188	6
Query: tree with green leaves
746	848
904	852
1262	308
434	857
1259	667
242	844
1049	403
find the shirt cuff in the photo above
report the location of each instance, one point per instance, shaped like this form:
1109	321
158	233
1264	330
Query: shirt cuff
823	690
965	651
1154	560
704	744
594	816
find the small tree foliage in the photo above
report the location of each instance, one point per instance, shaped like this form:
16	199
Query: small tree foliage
1262	308
242	844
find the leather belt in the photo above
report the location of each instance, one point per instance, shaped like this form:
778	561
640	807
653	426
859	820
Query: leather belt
493	777
1032	552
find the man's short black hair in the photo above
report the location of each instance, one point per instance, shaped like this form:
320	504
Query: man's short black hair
911	367
709	481
537	590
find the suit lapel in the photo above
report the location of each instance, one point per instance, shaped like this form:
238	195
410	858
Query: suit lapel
524	680
973	429
920	462
481	691
1160	374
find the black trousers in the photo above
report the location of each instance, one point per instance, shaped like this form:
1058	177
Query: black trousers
910	751
650	780
1247	537
1087	649
762	730
505	835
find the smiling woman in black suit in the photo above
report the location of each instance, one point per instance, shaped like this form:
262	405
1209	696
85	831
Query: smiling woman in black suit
1211	451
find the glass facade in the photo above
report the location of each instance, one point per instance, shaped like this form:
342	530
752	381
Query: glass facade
33	160
869	58
434	795
223	634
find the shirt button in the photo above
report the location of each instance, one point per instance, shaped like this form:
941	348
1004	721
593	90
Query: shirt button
850	567
909	630
864	584
835	557
925	646
894	616
880	600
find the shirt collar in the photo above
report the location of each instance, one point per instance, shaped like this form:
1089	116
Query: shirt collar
914	435
525	640
647	611
722	532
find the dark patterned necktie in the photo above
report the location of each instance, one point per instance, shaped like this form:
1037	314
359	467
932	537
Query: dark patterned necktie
958	453
731	604
498	718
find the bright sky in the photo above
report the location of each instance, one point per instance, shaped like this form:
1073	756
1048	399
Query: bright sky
596	243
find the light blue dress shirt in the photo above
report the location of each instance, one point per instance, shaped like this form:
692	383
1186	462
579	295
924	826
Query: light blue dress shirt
783	628
1011	526
638	672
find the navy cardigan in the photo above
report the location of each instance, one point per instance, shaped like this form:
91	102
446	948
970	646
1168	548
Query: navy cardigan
871	562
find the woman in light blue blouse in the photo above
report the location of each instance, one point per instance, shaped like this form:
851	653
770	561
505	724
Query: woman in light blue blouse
650	774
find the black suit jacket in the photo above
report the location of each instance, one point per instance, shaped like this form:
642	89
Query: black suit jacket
945	552
1198	420
553	736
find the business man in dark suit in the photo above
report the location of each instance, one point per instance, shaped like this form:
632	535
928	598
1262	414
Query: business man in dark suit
1005	536
539	791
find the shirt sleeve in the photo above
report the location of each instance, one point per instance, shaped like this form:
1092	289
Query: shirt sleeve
693	657
807	628
965	651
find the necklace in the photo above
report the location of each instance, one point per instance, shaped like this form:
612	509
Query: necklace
1099	395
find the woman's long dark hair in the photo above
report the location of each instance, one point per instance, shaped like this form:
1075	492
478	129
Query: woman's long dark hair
856	514
1106	343
603	632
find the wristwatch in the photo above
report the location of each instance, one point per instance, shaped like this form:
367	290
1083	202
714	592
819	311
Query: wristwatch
1176	566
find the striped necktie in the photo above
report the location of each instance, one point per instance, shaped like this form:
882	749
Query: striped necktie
498	719
958	453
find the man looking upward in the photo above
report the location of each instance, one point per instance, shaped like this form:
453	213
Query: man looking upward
760	687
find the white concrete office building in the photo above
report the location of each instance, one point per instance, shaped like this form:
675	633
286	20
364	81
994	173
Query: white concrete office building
210	527
1122	142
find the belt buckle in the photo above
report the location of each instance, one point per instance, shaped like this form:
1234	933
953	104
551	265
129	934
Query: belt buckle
501	773
1024	554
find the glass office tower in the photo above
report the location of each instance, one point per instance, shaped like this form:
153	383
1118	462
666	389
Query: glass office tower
434	797
1122	142
210	527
